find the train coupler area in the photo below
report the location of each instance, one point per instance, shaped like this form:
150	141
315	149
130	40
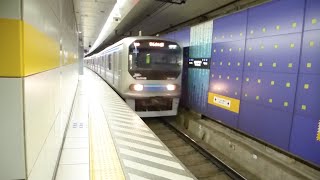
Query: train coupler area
154	104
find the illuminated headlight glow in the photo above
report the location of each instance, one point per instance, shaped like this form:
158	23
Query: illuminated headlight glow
136	44
136	87
171	87
172	46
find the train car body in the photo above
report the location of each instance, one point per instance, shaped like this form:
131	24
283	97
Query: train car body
145	71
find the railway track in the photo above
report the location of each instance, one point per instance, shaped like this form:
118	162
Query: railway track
200	162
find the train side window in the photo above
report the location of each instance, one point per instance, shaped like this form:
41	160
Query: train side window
104	62
119	59
109	62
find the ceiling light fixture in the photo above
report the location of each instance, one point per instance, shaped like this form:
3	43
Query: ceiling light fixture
114	16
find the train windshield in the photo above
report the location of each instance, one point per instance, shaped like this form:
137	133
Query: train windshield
154	60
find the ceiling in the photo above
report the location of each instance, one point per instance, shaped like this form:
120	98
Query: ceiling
91	16
149	16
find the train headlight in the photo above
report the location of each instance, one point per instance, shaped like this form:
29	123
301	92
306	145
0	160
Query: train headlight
171	87
136	87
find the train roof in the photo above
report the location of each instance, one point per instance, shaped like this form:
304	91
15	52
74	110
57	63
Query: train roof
131	39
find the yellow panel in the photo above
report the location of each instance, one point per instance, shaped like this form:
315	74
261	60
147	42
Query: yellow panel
41	53
222	102
11	48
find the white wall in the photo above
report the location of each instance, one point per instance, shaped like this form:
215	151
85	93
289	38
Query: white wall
49	95
10	9
12	161
48	101
12	158
34	110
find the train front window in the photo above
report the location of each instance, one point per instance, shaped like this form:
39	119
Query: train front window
154	60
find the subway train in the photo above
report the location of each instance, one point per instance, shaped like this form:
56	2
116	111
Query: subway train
145	71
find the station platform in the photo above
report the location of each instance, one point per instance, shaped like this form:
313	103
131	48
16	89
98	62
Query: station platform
107	140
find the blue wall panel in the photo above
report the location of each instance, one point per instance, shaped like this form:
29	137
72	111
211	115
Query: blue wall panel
255	57
228	55
308	96
306	122
312	18
201	40
276	17
268	124
273	90
183	37
274	54
222	115
226	83
198	81
303	138
227	62
310	62
230	28
170	36
272	58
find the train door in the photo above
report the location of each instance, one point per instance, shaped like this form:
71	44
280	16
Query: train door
109	73
115	69
119	69
100	62
105	66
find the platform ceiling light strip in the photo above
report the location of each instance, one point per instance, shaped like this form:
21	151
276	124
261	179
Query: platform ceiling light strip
120	10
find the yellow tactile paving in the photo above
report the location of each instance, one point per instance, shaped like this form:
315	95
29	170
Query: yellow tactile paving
104	160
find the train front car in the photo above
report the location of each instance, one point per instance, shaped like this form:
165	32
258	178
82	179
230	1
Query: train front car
154	67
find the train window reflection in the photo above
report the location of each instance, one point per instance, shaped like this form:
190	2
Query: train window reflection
155	62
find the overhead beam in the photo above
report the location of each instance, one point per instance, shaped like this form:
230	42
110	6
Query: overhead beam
173	1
